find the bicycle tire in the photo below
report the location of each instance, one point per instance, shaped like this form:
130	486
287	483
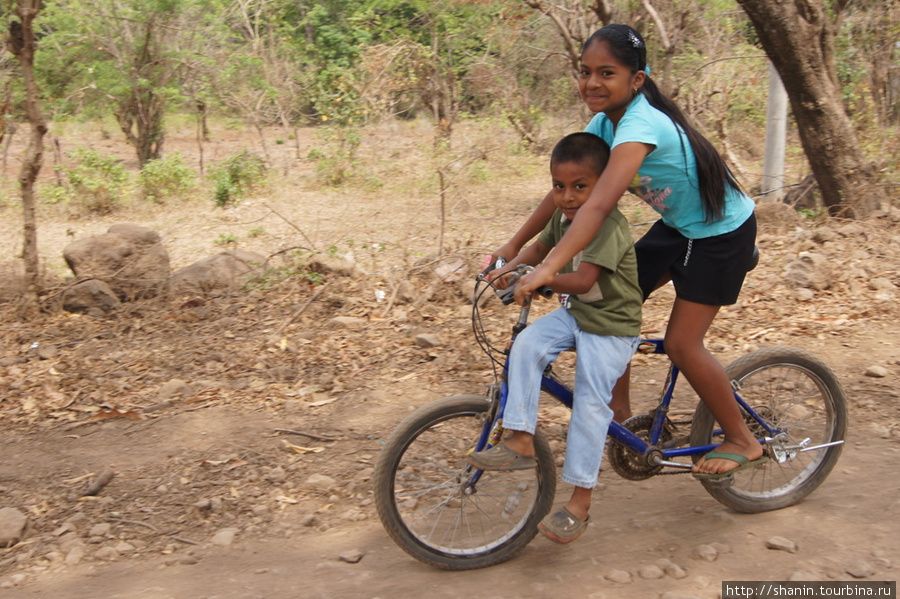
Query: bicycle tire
797	393
419	490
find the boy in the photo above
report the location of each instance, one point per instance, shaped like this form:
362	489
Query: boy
601	318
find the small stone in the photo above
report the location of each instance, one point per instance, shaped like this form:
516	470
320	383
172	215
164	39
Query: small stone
860	569
351	557
172	388
189	560
276	475
321	482
707	553
124	547
100	530
650	572
347	322
12	526
224	537
106	553
308	520
619	576
428	340
75	555
782	544
877	371
672	569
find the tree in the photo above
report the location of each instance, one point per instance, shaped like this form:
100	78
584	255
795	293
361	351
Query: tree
20	43
799	39
127	53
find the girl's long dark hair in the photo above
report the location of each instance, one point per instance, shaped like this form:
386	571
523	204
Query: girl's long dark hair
628	47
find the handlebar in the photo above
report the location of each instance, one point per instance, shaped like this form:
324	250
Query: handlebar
512	276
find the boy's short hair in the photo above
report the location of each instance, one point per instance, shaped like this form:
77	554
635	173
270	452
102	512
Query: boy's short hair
582	147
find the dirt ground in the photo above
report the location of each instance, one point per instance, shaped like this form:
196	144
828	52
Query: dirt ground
242	426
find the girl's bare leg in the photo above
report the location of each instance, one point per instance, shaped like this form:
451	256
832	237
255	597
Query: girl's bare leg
687	327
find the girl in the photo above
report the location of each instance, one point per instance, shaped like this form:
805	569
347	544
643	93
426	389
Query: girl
703	243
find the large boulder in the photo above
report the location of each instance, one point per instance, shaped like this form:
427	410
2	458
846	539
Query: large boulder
227	270
129	258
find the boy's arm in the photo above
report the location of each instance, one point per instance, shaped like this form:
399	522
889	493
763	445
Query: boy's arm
534	225
532	255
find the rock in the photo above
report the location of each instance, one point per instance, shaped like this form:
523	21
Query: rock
100	530
352	556
276	475
75	555
672	569
124	547
882	284
707	553
171	388
332	265
321	482
87	296
860	569
12	526
129	258
650	572
347	322
226	270
619	576
782	544
106	553
877	371
428	340
225	537
810	271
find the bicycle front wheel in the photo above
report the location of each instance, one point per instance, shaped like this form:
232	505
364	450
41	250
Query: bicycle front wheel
795	392
435	508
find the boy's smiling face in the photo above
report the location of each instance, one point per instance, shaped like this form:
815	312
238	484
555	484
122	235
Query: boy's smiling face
572	185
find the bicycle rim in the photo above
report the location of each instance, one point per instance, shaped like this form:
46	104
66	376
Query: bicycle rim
795	393
432	509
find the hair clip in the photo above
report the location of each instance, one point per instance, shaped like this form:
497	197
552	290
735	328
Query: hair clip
647	69
635	40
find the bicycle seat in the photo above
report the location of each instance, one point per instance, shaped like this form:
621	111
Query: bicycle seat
754	259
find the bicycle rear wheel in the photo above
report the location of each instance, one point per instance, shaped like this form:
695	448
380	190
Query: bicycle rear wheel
432	510
794	391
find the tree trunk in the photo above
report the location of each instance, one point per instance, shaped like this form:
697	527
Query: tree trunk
799	39
21	43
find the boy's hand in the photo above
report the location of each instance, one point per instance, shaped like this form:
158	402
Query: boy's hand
507	251
528	284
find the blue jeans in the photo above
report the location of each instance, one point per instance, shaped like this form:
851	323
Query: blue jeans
600	361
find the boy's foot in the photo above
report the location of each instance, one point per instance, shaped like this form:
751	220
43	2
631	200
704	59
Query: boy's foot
562	526
501	457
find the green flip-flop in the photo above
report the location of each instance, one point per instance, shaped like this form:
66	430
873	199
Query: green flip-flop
742	461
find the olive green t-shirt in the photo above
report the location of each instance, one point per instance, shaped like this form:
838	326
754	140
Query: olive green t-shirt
613	305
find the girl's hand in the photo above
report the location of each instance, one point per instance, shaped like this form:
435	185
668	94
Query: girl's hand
530	282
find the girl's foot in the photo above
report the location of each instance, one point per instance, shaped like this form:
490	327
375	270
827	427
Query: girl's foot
720	464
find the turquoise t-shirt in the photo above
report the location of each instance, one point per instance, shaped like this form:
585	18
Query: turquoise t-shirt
667	179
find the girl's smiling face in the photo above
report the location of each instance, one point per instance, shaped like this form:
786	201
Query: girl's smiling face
572	185
606	85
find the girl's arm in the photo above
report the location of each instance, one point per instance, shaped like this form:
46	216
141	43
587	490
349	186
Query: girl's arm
624	162
577	282
534	225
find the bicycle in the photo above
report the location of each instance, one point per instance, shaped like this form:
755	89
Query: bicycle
445	513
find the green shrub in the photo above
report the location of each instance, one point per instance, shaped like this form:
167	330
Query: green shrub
97	183
165	177
236	176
